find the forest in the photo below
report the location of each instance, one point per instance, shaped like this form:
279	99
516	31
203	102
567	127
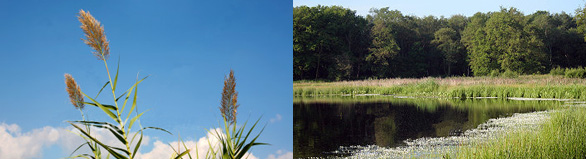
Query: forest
332	43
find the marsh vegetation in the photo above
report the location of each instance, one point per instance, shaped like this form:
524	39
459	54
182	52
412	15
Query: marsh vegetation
349	126
445	68
526	86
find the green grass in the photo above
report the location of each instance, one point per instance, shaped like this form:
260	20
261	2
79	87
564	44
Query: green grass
432	104
563	136
526	91
420	88
578	72
529	86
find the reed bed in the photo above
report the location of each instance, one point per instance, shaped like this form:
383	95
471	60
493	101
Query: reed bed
563	136
528	86
433	104
453	81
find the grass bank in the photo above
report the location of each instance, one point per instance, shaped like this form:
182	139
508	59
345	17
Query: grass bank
433	104
528	86
563	136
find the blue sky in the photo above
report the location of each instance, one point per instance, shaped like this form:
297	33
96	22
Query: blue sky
448	8
187	47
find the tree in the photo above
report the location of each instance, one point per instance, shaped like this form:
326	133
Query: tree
481	62
458	23
541	26
415	54
333	43
383	47
430	54
326	42
581	20
461	65
516	49
448	42
500	42
569	47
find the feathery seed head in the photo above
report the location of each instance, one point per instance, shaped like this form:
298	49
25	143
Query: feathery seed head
95	37
229	99
74	92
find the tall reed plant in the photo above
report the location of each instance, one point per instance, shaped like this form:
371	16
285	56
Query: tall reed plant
234	141
122	123
563	136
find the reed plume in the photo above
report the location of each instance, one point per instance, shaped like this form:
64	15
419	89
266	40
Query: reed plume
229	99
95	37
234	144
74	92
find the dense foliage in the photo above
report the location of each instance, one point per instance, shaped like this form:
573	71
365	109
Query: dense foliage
333	43
330	42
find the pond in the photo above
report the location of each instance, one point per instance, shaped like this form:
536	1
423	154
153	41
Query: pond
323	125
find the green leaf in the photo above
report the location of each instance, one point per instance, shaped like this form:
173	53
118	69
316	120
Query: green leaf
252	143
179	154
134	136
156	129
185	146
137	145
105	125
182	154
84	156
116	77
133	120
112	128
128	94
102	89
211	152
121	149
78	148
197	152
224	141
241	146
114	117
105	105
120	96
108	148
119	136
133	102
93	148
239	133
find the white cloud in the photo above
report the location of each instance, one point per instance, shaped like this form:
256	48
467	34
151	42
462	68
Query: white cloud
281	155
198	148
277	117
15	144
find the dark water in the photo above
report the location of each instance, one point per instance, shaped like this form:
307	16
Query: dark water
321	126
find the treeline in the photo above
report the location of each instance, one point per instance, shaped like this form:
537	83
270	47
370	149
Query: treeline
333	43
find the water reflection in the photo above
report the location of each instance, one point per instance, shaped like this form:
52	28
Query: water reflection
322	125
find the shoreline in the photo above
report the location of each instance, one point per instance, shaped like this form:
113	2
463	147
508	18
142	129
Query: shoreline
528	86
437	147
